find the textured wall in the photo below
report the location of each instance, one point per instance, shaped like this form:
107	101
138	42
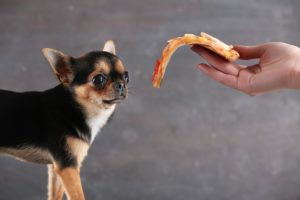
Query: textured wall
193	138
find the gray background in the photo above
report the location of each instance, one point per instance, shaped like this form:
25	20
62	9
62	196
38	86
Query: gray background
192	139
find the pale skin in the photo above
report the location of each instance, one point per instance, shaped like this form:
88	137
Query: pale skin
278	67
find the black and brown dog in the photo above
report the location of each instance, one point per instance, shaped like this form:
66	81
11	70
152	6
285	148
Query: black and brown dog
57	126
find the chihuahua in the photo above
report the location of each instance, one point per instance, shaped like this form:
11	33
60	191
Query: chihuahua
57	126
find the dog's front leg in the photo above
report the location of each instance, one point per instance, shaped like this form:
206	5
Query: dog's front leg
55	187
70	179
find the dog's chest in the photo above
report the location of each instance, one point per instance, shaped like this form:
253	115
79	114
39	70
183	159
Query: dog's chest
96	122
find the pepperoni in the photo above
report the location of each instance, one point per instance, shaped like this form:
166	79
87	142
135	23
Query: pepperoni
155	72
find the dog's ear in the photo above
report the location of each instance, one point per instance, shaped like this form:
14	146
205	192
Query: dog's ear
110	47
60	64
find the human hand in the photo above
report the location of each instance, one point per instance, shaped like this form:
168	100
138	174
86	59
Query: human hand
278	67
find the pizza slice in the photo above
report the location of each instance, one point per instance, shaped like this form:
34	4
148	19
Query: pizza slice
204	40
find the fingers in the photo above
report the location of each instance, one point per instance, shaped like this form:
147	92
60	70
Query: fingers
225	79
216	61
249	52
250	80
243	83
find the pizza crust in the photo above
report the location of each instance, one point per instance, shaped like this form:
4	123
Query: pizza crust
204	40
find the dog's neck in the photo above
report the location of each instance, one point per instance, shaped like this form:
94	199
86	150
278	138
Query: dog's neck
97	121
96	116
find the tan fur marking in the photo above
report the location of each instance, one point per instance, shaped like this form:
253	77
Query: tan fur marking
55	187
91	99
102	66
90	108
82	91
72	184
120	67
84	97
78	148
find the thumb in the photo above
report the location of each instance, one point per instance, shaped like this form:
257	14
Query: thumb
249	52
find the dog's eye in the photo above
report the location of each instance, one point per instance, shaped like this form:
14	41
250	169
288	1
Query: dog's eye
126	77
99	80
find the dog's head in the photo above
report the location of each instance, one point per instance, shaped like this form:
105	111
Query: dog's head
97	78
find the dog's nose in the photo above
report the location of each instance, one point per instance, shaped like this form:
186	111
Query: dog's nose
120	88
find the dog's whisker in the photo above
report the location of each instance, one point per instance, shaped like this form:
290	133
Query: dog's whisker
133	89
131	93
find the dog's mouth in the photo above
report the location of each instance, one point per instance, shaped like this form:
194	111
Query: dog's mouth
112	101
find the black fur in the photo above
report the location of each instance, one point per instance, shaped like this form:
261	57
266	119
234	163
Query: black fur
42	120
84	66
